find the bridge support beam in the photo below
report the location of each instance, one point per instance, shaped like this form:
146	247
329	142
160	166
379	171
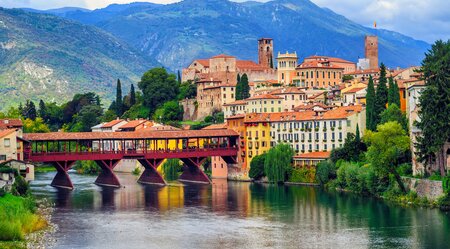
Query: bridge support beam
107	177
192	171
150	174
62	179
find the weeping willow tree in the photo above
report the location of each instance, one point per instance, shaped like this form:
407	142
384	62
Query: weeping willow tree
277	165
170	169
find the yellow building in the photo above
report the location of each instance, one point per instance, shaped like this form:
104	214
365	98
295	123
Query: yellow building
286	67
11	146
258	137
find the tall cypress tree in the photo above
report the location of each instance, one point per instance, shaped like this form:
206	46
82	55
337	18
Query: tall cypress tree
396	94
238	93
42	109
370	105
119	103
357	136
132	96
245	87
179	77
381	96
434	112
391	90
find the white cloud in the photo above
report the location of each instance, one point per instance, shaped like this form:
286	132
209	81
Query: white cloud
422	19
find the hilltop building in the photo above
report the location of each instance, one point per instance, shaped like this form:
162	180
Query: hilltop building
371	50
265	52
286	67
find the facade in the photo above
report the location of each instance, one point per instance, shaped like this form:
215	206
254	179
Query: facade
291	96
310	160
363	75
258	136
11	147
264	103
286	67
348	66
354	96
318	74
371	50
235	108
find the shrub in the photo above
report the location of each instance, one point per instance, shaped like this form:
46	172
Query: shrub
446	184
303	175
87	167
171	168
405	169
325	172
136	171
257	167
347	176
367	180
20	186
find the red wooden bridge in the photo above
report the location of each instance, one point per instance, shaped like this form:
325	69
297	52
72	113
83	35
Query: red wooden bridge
150	148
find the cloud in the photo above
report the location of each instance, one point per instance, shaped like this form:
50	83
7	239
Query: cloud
422	19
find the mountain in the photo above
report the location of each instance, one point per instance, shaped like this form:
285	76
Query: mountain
175	34
46	57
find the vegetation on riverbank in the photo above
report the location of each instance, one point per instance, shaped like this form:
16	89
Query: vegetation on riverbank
44	169
18	215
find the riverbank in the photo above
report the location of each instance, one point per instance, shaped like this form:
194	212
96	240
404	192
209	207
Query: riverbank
22	221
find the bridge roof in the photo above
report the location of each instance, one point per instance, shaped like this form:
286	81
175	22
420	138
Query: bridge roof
73	136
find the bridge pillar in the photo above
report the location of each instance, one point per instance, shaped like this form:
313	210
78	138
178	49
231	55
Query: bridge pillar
192	171
62	179
107	177
150	174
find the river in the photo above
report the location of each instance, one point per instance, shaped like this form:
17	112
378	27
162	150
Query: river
232	215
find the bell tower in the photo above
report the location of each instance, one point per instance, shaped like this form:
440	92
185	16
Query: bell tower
371	50
265	52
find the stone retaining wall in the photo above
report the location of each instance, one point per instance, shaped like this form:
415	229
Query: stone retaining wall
424	188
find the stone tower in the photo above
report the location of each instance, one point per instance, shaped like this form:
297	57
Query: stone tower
265	52
371	50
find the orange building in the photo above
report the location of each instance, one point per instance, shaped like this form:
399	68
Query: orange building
318	74
348	66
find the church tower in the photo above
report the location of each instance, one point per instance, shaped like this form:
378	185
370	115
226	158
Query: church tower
371	50
265	52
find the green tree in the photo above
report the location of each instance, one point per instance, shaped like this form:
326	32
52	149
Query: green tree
179	77
370	106
88	117
54	116
119	103
170	169
35	126
42	109
245	87
393	92
158	87
278	163
77	103
132	96
170	111
238	93
434	112
351	150
188	90
381	96
29	111
257	167
393	113
386	147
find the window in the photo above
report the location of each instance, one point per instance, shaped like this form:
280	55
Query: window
214	165
263	133
349	123
2	157
221	165
7	142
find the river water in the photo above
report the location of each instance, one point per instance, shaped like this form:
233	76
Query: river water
232	215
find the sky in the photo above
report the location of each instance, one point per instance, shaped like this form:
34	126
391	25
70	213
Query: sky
426	20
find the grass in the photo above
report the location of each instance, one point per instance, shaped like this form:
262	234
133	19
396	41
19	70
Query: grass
18	217
190	122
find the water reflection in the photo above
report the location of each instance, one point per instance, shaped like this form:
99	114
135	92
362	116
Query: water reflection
228	215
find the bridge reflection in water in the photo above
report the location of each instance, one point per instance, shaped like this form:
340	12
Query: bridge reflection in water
150	148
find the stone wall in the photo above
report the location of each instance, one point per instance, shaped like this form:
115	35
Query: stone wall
424	188
190	109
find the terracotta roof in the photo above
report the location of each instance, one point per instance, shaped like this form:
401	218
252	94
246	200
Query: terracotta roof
311	106
237	102
288	90
327	58
112	123
133	124
161	128
264	96
215	127
366	71
238	116
4	133
338	113
10	123
249	65
73	136
222	56
316	95
354	90
314	155
318	64
204	62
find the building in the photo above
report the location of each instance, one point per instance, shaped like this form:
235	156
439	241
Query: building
11	146
135	125
371	50
348	66
235	108
286	67
310	160
354	96
264	103
318	74
265	52
292	97
364	75
113	125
